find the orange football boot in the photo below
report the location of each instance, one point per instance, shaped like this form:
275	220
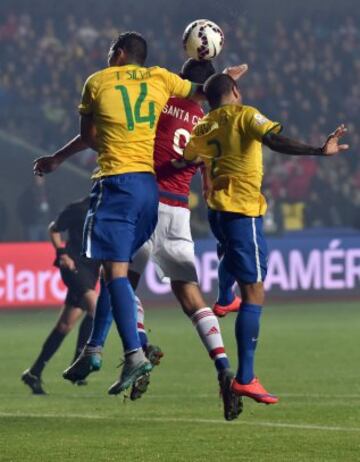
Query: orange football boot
222	310
254	390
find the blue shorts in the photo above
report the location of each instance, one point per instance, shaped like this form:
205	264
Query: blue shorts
243	243
122	216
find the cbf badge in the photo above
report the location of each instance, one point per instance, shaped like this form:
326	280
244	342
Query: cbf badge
260	119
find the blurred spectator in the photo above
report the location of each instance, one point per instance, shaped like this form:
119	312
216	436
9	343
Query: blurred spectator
35	211
305	74
3	220
273	219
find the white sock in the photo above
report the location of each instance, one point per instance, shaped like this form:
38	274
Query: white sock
140	315
140	323
208	328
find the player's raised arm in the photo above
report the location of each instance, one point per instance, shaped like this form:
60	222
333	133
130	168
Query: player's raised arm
87	137
289	146
47	164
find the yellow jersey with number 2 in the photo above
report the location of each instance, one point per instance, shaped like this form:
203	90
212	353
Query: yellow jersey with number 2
126	103
229	141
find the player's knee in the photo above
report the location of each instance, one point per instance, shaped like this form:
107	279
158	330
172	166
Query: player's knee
188	295
89	300
114	270
253	293
64	327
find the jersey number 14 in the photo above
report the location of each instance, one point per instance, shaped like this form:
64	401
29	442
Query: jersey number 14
133	114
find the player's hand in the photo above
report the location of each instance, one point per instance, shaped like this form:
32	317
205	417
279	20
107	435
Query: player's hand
45	164
236	72
67	262
181	163
332	145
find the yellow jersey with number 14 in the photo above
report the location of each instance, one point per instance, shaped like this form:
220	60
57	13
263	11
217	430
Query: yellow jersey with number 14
228	140
126	103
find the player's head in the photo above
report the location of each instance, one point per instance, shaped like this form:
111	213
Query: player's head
221	89
128	48
197	71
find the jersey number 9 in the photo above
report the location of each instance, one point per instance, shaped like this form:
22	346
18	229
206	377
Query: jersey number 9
181	139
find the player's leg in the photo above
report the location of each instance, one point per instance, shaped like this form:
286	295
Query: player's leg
208	329
84	332
247	329
102	319
88	303
115	289
124	312
152	352
83	283
175	258
227	301
136	269
205	322
122	293
67	319
90	359
125	217
246	258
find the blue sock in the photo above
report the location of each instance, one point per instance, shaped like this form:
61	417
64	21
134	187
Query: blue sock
246	331
124	311
226	282
222	363
143	340
103	318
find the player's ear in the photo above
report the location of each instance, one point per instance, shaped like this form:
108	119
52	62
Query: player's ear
116	57
236	93
121	57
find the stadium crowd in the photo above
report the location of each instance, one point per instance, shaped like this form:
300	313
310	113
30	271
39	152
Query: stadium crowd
305	75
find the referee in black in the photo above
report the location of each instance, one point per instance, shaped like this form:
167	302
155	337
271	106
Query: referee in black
80	275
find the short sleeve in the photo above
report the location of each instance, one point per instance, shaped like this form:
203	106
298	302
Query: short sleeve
177	86
62	223
87	99
257	125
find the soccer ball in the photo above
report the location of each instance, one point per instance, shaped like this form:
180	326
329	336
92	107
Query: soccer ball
203	39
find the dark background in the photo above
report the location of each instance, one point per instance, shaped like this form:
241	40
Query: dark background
304	60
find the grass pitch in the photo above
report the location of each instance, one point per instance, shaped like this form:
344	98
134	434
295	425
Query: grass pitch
308	354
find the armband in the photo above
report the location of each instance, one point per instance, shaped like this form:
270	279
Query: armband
60	251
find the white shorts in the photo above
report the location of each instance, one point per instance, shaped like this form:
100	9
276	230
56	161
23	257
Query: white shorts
171	247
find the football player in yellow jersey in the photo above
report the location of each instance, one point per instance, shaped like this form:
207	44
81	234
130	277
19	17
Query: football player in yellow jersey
119	112
229	141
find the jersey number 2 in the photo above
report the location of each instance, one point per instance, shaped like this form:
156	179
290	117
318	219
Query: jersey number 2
133	115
